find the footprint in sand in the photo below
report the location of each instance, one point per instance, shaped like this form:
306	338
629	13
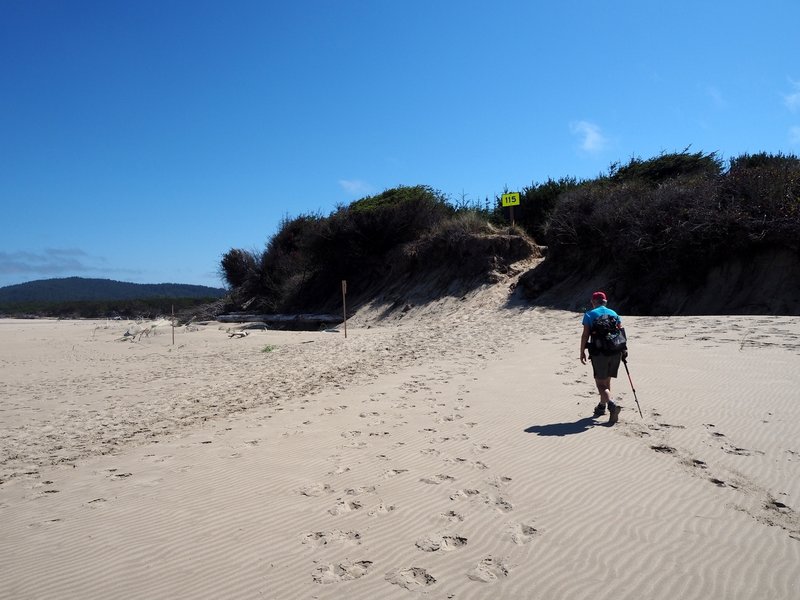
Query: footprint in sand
670	426
394	473
410	579
346	571
465	493
450	418
345	506
315	489
499	503
339	470
323	538
479	464
367	489
489	570
731	449
356	445
452	516
457	436
522	534
437	479
777	505
498	482
160	459
382	509
446	543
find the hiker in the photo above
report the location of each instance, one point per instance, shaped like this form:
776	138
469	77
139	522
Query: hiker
605	356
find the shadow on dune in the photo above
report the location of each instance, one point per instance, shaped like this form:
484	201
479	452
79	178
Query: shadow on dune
561	429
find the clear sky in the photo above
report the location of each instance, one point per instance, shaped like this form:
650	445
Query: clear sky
140	140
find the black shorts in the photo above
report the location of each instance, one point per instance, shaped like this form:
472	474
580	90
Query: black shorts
605	366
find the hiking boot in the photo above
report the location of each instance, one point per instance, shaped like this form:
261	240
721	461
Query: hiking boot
613	412
600	410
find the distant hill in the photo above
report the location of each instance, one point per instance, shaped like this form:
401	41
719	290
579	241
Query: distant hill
79	289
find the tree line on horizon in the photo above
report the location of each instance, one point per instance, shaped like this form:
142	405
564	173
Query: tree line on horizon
663	219
142	308
79	297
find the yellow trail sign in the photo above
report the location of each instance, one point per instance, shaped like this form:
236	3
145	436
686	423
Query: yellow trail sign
511	199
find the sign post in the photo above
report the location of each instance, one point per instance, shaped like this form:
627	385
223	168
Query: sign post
510	199
344	305
173	324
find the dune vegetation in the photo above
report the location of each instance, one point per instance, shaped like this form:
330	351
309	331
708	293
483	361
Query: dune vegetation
375	244
654	228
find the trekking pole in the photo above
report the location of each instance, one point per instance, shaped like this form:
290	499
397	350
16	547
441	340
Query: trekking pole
625	362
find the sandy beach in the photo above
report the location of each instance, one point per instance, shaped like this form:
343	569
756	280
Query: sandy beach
448	452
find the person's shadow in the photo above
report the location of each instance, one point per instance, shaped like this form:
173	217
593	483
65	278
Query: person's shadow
561	429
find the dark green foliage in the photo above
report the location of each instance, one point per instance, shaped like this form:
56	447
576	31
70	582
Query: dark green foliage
466	244
237	266
655	225
665	167
537	203
766	188
309	255
353	243
646	225
418	196
667	232
287	263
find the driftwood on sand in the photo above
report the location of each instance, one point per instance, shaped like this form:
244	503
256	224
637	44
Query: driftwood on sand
135	332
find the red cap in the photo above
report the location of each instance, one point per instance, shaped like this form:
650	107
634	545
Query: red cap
599	296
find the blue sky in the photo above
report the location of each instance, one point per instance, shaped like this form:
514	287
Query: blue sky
140	140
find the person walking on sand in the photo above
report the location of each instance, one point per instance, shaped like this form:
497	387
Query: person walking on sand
605	364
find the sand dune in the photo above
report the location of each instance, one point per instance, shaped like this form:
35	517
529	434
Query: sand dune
450	452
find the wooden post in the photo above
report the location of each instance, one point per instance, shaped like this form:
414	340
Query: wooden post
511	208
173	324
344	305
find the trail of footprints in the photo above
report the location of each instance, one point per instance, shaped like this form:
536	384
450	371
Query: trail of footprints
772	512
460	500
447	425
